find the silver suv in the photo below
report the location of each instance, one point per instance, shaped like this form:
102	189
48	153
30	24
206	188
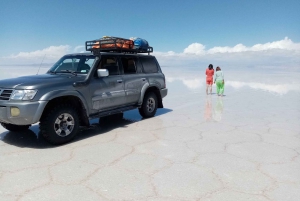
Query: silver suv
80	87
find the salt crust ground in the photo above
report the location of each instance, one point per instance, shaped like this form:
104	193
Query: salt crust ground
243	146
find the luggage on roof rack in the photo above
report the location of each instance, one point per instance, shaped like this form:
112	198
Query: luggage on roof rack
114	44
139	43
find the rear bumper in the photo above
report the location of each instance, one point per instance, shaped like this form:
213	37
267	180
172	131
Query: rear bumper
30	112
163	92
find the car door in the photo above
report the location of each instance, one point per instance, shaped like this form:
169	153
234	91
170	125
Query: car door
133	79
108	92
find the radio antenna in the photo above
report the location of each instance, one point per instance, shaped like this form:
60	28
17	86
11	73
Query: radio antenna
41	64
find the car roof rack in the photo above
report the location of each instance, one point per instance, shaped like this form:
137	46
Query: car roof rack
114	44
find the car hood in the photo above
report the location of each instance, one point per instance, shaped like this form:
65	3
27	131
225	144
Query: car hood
38	81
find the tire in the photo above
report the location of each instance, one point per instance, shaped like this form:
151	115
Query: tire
149	105
60	125
14	128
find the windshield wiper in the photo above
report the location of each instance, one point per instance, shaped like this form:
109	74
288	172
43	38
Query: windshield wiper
68	71
52	72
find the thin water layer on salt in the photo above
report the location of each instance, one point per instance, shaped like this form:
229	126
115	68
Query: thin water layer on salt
245	145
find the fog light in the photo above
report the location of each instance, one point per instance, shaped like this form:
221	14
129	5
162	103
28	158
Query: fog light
14	111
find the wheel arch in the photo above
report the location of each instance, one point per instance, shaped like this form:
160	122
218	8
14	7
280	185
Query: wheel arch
155	90
72	100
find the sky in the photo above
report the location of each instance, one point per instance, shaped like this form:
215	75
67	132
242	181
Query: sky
231	33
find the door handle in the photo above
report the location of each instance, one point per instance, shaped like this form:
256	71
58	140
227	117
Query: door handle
143	79
119	81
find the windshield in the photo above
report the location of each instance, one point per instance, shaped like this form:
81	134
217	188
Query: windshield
79	64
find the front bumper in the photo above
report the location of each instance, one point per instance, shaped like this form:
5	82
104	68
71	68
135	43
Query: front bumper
30	112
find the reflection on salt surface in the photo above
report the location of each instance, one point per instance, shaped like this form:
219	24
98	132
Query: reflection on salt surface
218	109
276	88
194	79
213	108
208	108
187	105
191	83
251	98
197	83
274	82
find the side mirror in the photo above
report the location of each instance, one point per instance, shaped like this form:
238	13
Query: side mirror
102	72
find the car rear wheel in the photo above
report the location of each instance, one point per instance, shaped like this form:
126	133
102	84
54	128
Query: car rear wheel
60	125
149	105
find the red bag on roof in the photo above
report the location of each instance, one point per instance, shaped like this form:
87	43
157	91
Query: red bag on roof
113	42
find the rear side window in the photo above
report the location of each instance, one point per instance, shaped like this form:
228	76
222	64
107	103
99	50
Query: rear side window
129	65
149	64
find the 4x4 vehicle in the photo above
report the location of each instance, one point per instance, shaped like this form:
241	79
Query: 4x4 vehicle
80	87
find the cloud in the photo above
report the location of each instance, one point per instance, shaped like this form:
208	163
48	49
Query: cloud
285	44
282	54
52	52
237	48
80	48
278	54
195	48
47	55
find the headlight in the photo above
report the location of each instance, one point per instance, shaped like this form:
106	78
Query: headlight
23	94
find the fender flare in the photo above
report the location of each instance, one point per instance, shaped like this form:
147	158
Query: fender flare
143	92
60	93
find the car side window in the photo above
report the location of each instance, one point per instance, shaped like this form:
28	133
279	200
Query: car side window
129	65
111	64
149	64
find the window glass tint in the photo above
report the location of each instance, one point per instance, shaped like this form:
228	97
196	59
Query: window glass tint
111	64
68	64
76	63
149	64
138	66
129	65
89	62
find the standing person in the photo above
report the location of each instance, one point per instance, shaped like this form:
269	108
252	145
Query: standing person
219	81
209	77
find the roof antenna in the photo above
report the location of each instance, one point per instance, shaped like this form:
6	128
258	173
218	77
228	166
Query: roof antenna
41	64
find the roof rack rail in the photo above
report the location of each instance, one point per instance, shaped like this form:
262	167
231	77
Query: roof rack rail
114	44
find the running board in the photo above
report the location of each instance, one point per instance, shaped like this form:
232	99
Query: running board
110	112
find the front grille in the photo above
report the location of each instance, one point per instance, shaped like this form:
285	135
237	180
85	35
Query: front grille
5	94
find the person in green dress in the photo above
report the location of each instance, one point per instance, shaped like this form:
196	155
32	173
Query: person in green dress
219	81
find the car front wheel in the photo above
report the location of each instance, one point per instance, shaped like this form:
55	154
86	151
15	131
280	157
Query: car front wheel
60	125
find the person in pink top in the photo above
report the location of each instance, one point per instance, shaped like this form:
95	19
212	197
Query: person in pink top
209	78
